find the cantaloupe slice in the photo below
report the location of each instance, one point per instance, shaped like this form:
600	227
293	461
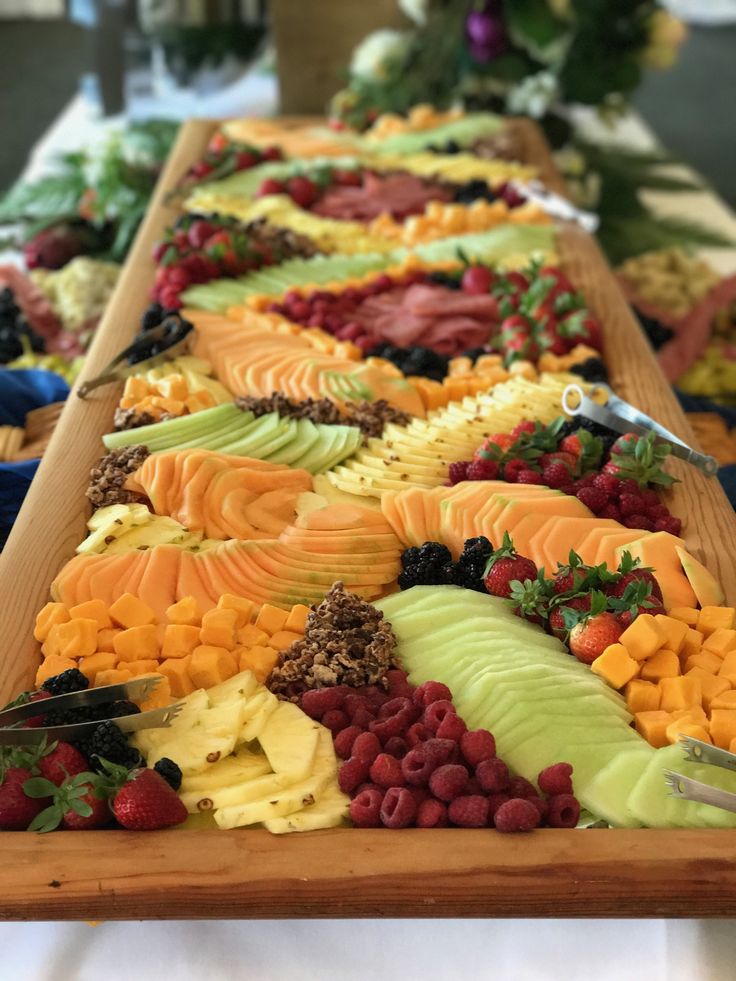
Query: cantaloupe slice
601	528
705	586
658	550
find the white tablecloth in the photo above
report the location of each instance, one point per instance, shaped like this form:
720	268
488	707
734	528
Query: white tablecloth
372	950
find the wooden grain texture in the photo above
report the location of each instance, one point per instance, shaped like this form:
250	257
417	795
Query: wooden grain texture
178	874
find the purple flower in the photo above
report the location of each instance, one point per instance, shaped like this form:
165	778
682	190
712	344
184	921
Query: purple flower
486	34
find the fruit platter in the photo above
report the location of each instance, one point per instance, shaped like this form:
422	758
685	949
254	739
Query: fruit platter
336	611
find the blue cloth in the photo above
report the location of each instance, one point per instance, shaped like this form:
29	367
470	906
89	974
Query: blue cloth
694	403
20	392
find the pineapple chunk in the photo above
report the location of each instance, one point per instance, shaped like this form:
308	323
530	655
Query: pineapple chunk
330	811
257	713
295	797
289	739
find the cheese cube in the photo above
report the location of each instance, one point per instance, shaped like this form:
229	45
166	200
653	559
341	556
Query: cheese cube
652	726
129	611
52	666
106	638
218	628
185	613
176	672
143	666
642	696
271	618
260	660
727	669
50	646
160	697
643	638
705	660
47	617
664	664
285	638
683	727
679	693
92	665
77	638
92	610
688	614
675	631
210	665
695	713
720	642
179	640
242	606
725	700
250	636
615	666
693	642
711	686
713	617
117	676
723	727
136	643
297	618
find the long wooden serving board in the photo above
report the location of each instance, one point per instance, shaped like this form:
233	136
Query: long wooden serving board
347	872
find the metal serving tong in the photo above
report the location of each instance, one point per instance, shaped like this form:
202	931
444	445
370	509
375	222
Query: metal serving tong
138	688
695	790
623	417
555	205
118	369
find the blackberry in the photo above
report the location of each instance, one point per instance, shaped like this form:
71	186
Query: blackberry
607	436
591	370
110	743
116	710
450	280
152	316
169	771
450	147
67	681
429	565
423	361
472	191
470	568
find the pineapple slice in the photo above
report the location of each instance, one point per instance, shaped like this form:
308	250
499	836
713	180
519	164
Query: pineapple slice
289	739
295	797
258	710
110	523
241	685
330	811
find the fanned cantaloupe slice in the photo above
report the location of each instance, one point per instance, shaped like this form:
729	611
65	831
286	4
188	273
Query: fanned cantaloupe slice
659	550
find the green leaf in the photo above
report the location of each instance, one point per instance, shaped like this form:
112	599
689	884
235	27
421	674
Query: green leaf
534	28
39	787
47	820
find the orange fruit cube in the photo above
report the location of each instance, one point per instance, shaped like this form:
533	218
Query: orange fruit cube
129	611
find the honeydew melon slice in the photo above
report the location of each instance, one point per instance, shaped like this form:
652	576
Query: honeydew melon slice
306	435
334	445
609	790
165	435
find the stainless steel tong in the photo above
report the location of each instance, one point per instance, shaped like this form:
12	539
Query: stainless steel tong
555	205
695	790
623	417
118	368
139	688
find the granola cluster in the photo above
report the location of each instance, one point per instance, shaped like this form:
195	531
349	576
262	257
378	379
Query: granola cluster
107	478
346	642
369	417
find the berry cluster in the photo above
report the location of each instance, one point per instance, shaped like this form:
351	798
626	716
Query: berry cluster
224	157
431	565
475	190
15	333
304	190
155	315
414	360
410	761
614	476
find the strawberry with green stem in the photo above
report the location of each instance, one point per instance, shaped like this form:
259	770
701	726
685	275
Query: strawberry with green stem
640	458
530	599
593	631
79	803
506	566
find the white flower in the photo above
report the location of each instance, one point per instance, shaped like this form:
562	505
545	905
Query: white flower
370	57
415	10
533	95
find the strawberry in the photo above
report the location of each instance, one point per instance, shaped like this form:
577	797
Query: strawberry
302	191
525	426
17	809
630	571
513	468
59	761
556	475
515	325
592	632
571	444
476	280
494	446
79	803
531	598
145	802
269	186
640	459
568	578
506	566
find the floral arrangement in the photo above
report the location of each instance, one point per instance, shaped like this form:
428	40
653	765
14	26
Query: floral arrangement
521	56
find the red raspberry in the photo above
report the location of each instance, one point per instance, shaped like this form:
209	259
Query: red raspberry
416	734
529	477
420	794
451	727
353	703
398	809
374	695
521	787
495	801
516	814
335	720
320	700
396	746
493	775
352	773
436	712
386	729
386	771
629	486
398	685
366	747
469	811
527	426
629	504
432	814
344	741
403	707
474	787
593	498
482	470
556	779
458	472
448	781
541	805
512	470
477	745
650	497
587	480
431	691
638	521
610	511
656	511
556	475
365	809
672	525
607	483
564	811
363	718
443	750
418	765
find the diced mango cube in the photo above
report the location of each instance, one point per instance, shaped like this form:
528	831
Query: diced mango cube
285	638
260	660
693	642
129	611
250	636
643	638
92	610
160	697
176	671
116	676
652	726
614	665
218	628
713	617
173	386
179	640
695	713
683	727
663	664
705	660
243	607
711	686
727	669
136	643
642	696
723	727
51	614
675	631
679	693
185	612
297	618
724	700
721	642
143	666
210	665
52	666
271	618
106	638
687	614
92	665
77	638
